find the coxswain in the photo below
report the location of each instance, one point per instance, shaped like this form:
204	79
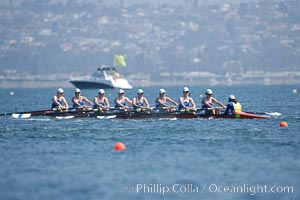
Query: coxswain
121	100
58	101
186	103
208	103
78	100
140	103
101	102
233	107
162	101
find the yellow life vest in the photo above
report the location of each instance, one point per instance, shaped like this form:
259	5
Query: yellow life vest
237	107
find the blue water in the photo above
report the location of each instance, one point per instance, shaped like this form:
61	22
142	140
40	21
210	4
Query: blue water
45	158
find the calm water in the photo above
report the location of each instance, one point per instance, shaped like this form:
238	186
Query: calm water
46	158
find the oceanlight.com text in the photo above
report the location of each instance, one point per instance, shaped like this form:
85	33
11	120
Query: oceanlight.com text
251	189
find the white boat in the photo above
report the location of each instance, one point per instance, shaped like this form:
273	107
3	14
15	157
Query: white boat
104	77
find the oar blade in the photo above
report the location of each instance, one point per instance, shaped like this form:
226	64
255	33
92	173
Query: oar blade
273	114
106	117
21	116
65	117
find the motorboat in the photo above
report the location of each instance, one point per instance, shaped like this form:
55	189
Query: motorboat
104	77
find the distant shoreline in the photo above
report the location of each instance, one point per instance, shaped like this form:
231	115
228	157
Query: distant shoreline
65	84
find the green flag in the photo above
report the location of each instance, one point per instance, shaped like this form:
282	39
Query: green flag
119	60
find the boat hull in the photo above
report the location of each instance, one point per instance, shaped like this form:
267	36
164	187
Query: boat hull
91	85
104	77
153	115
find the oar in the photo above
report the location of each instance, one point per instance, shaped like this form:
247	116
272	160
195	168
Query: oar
67	114
165	109
33	112
21	116
84	108
25	112
70	110
271	114
106	116
65	117
73	111
128	109
4	114
201	109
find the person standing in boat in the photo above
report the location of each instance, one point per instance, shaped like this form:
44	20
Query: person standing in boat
233	107
78	100
58	101
101	102
208	103
140	103
162	101
186	101
121	100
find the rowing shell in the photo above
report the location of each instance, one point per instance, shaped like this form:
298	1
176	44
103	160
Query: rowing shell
148	115
123	114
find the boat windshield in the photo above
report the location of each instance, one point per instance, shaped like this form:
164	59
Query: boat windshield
107	72
99	73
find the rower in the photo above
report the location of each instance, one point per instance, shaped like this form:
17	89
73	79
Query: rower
185	101
208	103
58	101
121	100
101	102
162	100
78	100
233	107
140	103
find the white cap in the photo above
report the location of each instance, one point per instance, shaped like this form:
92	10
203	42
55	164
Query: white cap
161	91
77	90
186	89
121	91
60	90
140	91
208	91
231	97
101	91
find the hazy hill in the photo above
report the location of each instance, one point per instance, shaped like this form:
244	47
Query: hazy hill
50	37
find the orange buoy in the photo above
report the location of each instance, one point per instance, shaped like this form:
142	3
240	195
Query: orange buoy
283	124
119	146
